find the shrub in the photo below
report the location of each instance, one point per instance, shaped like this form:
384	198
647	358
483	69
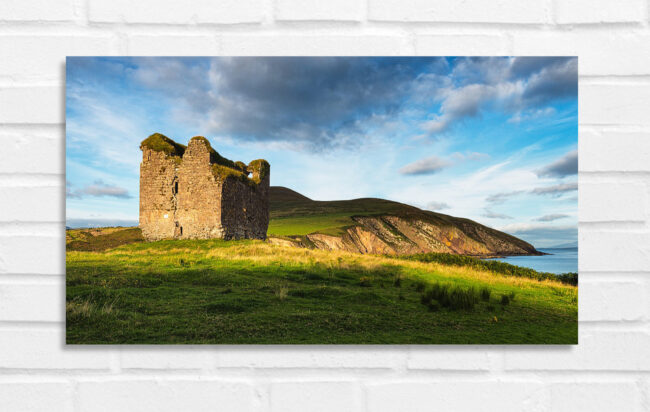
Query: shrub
505	300
485	294
448	297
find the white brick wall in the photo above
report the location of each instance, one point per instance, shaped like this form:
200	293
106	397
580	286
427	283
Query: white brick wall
608	371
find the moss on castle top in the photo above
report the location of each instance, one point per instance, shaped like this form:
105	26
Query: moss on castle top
262	167
161	143
221	167
223	172
215	157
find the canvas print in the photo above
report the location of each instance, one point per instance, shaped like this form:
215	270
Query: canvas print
321	200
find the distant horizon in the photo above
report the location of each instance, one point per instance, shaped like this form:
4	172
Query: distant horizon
493	140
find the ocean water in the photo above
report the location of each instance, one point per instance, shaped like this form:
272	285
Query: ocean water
558	261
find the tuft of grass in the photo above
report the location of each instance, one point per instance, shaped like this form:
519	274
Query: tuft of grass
451	297
398	281
505	300
485	294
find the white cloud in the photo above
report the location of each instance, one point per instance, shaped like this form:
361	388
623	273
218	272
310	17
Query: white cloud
426	166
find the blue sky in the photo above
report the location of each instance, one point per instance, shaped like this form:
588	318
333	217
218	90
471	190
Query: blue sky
490	139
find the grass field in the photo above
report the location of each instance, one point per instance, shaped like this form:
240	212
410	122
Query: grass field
227	292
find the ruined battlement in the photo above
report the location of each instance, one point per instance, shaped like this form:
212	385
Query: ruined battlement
192	192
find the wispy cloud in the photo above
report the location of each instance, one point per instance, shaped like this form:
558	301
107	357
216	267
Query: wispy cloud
499	198
552	217
437	206
555	190
567	165
97	189
426	166
493	215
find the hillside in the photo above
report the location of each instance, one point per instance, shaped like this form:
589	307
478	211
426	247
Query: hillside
371	225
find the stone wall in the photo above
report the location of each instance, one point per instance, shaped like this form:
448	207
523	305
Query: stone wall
158	202
197	194
199	206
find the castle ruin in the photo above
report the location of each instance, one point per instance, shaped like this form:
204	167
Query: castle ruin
191	192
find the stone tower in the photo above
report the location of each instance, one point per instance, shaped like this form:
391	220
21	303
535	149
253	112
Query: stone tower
191	192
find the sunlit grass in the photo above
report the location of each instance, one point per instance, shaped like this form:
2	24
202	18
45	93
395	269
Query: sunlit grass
212	291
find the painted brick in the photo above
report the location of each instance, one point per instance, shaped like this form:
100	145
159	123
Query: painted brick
45	104
32	254
607	151
37	10
33	204
472	11
461	44
176	45
613	251
310	357
618	201
448	358
315	396
42	58
588	396
36	396
596	351
339	10
32	151
600	52
611	301
46	349
32	302
599	11
164	395
172	357
172	12
313	45
455	396
614	104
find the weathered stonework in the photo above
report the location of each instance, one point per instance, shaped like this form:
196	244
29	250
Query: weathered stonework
194	193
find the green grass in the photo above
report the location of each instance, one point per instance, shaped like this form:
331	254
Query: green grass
331	224
230	292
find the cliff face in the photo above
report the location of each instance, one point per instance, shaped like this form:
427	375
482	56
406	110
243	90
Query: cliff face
394	228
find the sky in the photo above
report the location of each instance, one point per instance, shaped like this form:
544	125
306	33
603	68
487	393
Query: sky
490	139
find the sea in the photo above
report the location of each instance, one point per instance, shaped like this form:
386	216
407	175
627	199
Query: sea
558	260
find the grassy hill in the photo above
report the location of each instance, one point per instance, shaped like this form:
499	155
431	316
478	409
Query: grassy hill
371	225
213	291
